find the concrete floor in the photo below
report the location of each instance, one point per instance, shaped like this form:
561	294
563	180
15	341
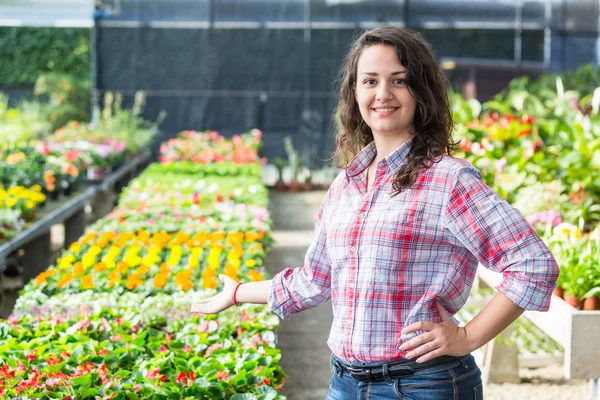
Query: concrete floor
303	337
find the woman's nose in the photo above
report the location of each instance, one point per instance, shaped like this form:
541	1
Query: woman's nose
383	92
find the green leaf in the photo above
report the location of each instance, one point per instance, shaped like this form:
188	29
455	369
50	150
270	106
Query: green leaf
83	381
90	392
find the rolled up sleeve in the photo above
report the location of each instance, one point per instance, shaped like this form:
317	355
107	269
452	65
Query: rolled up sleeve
297	289
502	240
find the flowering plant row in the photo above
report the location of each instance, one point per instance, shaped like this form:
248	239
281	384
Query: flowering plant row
130	346
211	148
153	263
153	188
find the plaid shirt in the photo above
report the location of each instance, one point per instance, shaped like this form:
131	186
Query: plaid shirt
384	260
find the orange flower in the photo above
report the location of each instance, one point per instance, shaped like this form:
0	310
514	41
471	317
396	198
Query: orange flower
40	279
133	281
64	280
208	278
231	272
78	269
160	280
255	276
113	278
87	282
100	267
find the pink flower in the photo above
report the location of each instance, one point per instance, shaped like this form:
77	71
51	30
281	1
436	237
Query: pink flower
212	348
203	326
153	373
222	376
163	348
545	217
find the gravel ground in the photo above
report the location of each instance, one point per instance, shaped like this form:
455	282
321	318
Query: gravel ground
546	383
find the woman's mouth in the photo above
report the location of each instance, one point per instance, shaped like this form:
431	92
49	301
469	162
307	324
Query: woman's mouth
385	111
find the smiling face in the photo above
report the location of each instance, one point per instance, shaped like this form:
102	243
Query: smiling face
382	94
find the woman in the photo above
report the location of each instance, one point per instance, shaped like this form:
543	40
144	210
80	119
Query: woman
399	236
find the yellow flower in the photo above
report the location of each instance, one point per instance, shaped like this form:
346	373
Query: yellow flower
87	282
251	263
88	260
75	247
10	202
29	204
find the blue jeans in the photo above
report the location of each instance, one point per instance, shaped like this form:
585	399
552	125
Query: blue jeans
454	380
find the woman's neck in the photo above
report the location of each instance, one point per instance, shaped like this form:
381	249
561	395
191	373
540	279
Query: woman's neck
386	145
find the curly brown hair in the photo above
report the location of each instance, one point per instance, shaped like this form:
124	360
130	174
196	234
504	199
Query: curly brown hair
427	83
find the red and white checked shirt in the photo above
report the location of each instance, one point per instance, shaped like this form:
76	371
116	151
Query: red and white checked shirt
384	260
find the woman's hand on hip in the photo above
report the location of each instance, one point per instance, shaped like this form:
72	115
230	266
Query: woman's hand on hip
440	339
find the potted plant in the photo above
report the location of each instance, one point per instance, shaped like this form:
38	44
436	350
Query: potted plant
280	164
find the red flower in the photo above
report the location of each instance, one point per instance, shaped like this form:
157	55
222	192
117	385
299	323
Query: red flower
267	381
222	376
192	375
181	378
102	352
163	378
32	355
52	360
187	348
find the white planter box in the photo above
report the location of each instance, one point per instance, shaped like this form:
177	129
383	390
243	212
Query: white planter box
576	330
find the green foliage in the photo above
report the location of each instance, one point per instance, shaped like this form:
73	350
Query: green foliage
29	52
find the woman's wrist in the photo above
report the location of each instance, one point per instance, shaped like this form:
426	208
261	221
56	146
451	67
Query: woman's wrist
253	292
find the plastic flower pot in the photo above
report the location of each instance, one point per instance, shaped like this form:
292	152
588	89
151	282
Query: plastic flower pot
559	292
591	303
97	173
574	301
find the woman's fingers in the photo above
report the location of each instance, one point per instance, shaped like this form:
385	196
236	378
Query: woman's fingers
423	349
418	341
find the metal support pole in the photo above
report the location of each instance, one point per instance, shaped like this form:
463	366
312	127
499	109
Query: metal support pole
548	35
518	52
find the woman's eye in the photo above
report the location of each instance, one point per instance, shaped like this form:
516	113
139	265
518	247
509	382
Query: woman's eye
369	81
400	81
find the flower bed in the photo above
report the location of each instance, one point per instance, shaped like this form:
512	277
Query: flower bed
111	318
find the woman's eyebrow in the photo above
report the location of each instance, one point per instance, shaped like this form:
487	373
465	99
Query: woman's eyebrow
376	74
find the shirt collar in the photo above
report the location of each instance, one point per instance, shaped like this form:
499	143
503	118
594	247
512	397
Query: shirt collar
364	157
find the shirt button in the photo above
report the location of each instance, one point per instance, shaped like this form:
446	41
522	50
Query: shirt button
352	284
361	216
349	320
353	249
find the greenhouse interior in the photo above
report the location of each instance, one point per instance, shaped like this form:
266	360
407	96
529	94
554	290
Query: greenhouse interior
161	157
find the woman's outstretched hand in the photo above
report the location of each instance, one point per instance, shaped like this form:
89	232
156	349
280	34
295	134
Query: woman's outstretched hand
443	339
219	302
